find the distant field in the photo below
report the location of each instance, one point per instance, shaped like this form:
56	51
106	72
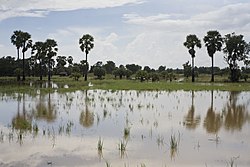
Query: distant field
9	84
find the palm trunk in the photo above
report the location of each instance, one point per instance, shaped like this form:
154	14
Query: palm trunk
192	69
23	67
18	75
41	74
212	70
49	71
86	72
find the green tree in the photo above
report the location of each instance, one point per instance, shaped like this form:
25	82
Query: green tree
39	55
17	41
109	67
236	50
99	72
191	42
213	41
121	71
61	62
26	43
133	67
161	68
142	75
147	68
86	44
50	51
70	60
187	69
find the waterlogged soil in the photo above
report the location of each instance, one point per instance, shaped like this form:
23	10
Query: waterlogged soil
134	128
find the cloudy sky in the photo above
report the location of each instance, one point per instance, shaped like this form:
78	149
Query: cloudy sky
145	32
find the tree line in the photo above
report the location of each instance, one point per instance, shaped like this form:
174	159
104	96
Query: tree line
43	55
235	50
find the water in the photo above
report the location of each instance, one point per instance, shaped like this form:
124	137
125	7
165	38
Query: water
211	128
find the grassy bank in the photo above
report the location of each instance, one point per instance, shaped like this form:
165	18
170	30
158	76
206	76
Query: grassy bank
61	84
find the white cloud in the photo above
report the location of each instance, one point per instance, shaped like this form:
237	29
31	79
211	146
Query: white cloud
40	8
103	50
160	38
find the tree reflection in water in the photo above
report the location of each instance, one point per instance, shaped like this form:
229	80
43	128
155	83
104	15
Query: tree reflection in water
86	117
21	122
192	121
213	121
236	115
43	111
233	116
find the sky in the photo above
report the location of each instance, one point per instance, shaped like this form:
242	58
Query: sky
145	32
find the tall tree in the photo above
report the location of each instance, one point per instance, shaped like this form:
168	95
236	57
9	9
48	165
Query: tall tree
236	49
86	44
109	67
50	51
26	44
16	40
39	55
191	42
213	41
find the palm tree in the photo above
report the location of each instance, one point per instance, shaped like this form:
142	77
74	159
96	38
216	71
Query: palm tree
39	54
213	41
50	51
26	44
192	41
86	44
16	40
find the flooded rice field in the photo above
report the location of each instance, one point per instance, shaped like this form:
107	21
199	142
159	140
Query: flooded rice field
99	128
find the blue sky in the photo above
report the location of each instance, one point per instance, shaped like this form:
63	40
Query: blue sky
145	32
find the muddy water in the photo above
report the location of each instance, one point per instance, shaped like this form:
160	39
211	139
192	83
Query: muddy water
209	128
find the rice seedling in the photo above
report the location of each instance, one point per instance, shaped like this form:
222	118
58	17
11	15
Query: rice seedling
35	128
160	140
100	145
108	164
122	146
231	162
11	136
126	132
173	142
1	137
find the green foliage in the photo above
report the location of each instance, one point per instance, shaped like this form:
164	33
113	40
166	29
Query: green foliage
213	41
142	75
133	68
236	50
109	67
154	76
191	42
76	75
121	71
99	72
86	43
187	69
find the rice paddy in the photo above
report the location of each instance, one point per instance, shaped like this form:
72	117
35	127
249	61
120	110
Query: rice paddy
125	128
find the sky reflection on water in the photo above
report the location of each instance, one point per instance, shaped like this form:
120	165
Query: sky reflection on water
63	129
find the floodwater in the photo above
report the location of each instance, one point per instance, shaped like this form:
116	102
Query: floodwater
207	128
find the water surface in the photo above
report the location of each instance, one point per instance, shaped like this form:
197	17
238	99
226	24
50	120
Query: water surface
211	128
